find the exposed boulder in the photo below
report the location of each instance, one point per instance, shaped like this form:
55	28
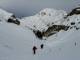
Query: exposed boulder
77	28
14	20
72	23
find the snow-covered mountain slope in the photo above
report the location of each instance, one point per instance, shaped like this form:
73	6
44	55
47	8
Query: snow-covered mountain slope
8	17
4	15
17	41
16	44
34	23
51	16
45	18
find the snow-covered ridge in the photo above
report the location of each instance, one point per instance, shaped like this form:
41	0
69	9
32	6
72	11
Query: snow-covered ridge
34	23
8	17
4	15
47	22
51	16
45	18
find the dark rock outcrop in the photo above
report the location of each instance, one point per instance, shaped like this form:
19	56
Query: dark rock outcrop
74	11
38	34
13	19
50	31
54	29
72	23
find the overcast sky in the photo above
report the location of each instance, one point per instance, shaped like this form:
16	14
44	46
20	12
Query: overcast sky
31	7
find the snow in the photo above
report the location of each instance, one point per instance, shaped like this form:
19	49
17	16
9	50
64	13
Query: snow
4	15
16	41
33	22
45	18
78	9
52	16
16	44
73	18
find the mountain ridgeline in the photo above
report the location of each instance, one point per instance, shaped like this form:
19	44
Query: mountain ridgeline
47	22
67	24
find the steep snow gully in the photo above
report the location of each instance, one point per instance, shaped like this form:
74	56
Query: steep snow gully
49	35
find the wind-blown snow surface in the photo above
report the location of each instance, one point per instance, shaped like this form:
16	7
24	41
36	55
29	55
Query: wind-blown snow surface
16	43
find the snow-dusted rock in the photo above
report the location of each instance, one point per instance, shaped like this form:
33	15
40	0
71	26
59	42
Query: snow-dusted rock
8	17
75	11
72	21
